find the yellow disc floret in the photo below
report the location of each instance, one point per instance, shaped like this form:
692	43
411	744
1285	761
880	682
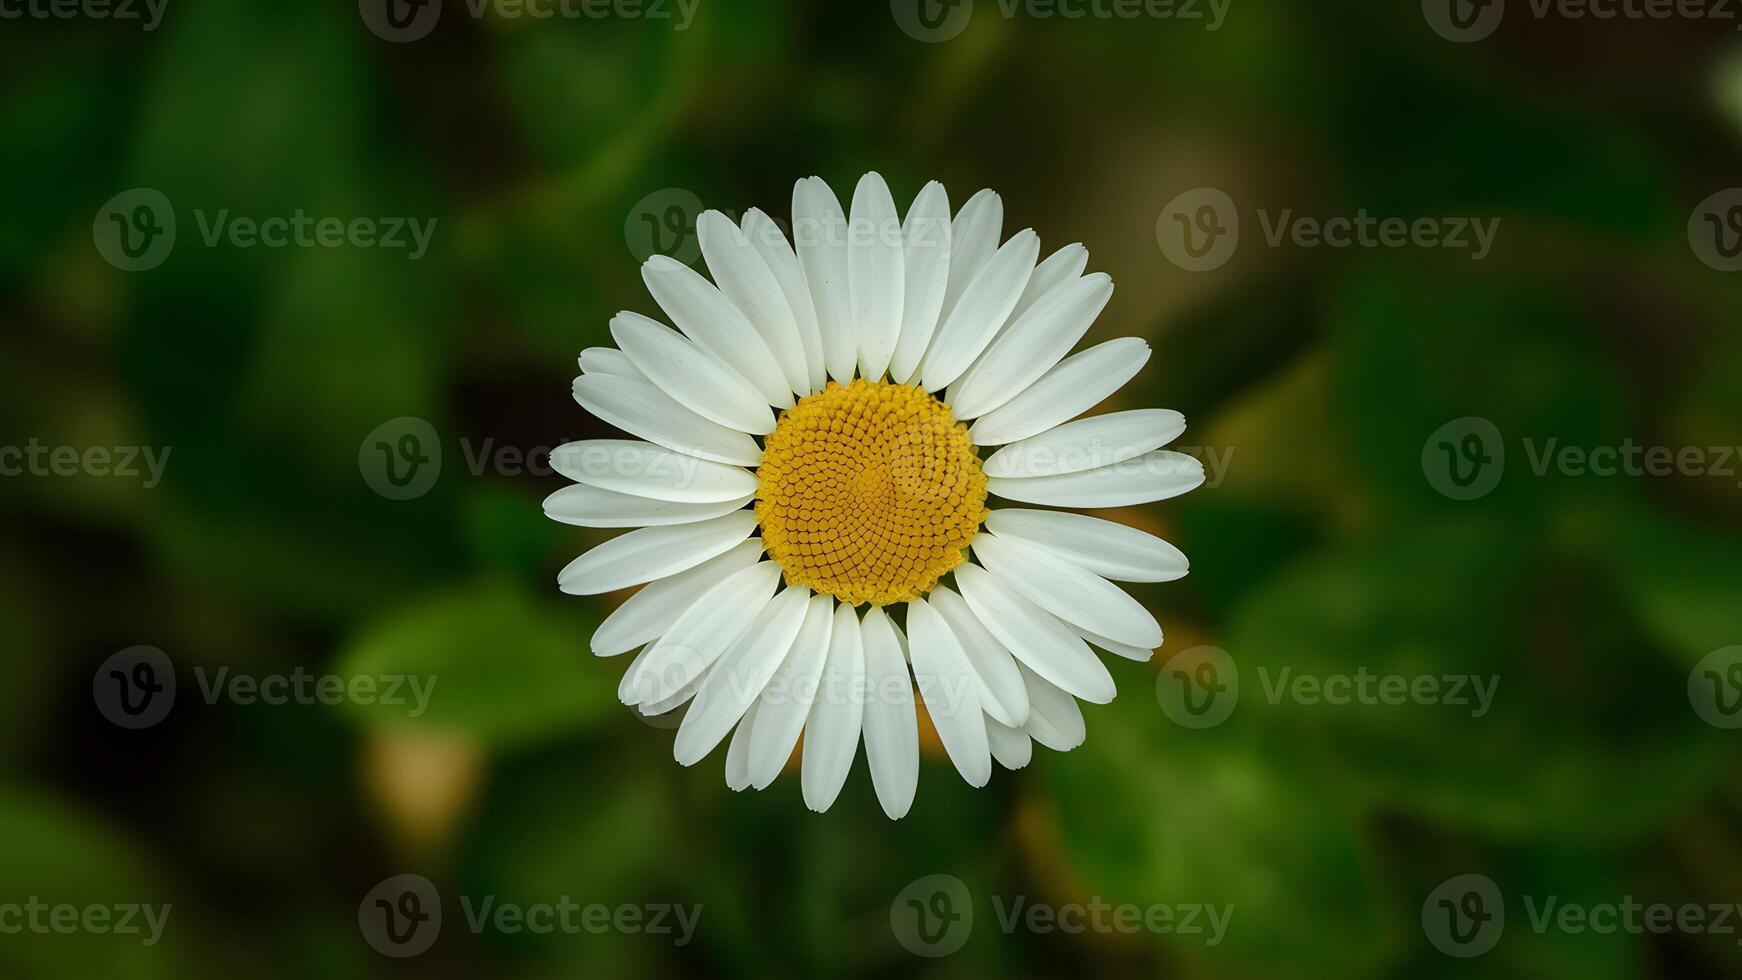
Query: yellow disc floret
869	492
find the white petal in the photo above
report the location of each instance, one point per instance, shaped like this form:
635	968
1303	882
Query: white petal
1072	593
925	249
1062	266
951	691
1072	387
875	276
707	317
1010	746
1032	345
770	242
737	680
1038	640
703	632
609	360
973	238
790	692
819	226
646	470
648	613
745	278
738	753
693	378
1110	550
640	409
652	709
592	507
891	727
1126	650
1001	691
1087	444
984	305
653	552
1150	477
626	686
831	734
1056	720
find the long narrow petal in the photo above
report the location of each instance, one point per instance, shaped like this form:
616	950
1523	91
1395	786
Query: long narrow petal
641	409
737	679
1087	444
770	242
738	753
787	699
925	250
875	276
745	278
819	227
647	614
1070	592
609	360
707	317
1032	345
1062	266
1038	640
831	734
586	506
983	307
647	470
693	378
1073	386
1001	690
703	632
973	238
1010	746
1110	550
1150	477
653	552
1114	647
891	727
951	691
1057	720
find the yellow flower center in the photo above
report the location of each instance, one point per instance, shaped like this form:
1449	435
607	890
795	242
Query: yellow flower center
869	493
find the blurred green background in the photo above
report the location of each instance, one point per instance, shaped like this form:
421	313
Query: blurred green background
539	147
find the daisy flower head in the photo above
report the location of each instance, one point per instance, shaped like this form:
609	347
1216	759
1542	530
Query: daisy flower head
807	486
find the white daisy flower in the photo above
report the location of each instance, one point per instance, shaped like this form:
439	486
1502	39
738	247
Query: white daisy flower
816	421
